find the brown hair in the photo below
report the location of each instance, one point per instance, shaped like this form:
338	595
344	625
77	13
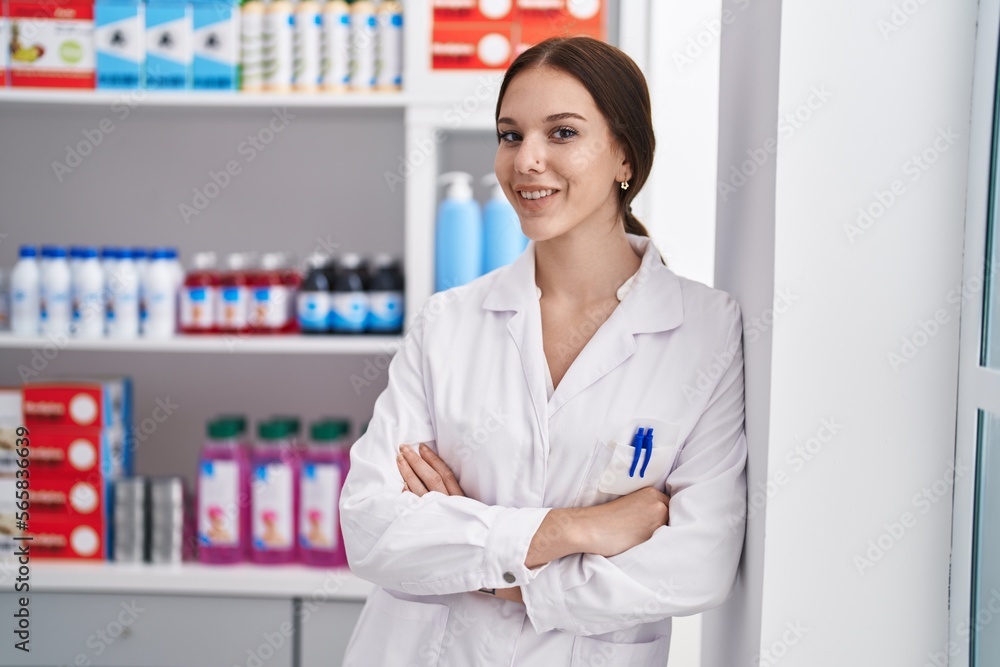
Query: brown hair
619	89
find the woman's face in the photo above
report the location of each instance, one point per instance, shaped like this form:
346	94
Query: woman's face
557	160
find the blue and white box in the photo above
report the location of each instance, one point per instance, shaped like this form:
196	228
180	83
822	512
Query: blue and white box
120	40
216	44
169	44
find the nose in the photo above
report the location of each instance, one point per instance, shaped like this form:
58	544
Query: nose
530	156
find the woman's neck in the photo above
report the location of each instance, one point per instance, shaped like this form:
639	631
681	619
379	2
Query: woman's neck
585	265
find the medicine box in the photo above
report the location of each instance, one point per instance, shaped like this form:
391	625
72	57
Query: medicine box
120	40
82	452
169	44
216	44
79	538
70	496
51	43
92	403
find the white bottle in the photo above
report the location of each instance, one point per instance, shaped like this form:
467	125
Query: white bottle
279	49
24	297
161	296
123	320
389	59
175	267
364	34
88	295
307	48
336	65
141	260
252	46
55	288
109	265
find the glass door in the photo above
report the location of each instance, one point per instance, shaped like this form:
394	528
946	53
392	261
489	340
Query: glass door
975	575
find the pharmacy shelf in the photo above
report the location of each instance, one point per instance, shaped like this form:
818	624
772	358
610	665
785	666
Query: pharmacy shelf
220	344
240	580
154	98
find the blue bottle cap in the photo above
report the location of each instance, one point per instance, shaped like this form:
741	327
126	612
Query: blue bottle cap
28	251
159	253
88	252
76	251
171	252
139	252
59	251
47	250
109	252
125	253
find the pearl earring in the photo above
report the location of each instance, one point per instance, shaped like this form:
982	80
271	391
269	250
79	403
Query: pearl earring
624	185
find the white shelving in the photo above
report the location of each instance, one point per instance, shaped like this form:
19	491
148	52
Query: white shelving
240	580
220	344
202	99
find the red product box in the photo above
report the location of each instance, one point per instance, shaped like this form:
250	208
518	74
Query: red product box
51	43
69	496
78	538
75	403
473	10
460	45
4	44
81	452
540	19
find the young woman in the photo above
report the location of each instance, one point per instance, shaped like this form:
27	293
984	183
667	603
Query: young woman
557	464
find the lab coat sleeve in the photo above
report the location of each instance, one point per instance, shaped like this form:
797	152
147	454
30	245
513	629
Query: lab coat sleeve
684	568
432	544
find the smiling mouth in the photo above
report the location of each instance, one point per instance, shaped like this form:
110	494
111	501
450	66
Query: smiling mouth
536	194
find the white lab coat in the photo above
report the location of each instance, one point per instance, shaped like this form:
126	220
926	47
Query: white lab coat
470	380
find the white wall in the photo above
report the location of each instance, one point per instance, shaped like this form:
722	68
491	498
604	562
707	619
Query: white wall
883	85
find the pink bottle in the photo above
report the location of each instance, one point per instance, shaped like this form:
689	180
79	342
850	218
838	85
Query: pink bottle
274	493
223	493
323	469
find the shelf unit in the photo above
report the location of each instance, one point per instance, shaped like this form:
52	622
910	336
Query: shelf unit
202	99
222	344
238	580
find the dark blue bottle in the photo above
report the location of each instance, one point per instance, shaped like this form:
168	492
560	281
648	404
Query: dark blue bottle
349	304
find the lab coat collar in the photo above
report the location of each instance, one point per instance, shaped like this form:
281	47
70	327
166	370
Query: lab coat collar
652	304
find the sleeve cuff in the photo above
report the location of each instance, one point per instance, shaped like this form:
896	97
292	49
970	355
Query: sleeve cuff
507	547
545	600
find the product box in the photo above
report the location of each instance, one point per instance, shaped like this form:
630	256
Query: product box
82	452
216	44
90	403
10	420
467	45
78	538
51	43
70	496
4	44
169	44
473	11
540	19
120	42
8	515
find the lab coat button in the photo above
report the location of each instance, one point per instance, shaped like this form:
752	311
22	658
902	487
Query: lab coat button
509	577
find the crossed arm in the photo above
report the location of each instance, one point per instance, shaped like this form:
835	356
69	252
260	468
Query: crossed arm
605	530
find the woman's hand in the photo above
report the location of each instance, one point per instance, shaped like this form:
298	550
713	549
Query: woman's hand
623	523
426	471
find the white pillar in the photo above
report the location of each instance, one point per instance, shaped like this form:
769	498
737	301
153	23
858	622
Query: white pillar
842	240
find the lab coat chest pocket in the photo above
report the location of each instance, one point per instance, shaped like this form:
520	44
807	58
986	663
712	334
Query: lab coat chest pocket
416	631
588	651
620	477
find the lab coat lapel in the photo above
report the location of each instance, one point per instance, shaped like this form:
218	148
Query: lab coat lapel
515	290
653	304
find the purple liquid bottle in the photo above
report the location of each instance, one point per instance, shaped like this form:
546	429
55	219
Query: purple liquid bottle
274	493
223	493
321	476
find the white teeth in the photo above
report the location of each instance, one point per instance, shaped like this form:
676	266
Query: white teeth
538	194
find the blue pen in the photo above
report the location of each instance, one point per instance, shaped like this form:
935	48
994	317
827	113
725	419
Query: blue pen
637	446
647	444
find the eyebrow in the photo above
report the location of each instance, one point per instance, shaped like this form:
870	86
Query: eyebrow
549	119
